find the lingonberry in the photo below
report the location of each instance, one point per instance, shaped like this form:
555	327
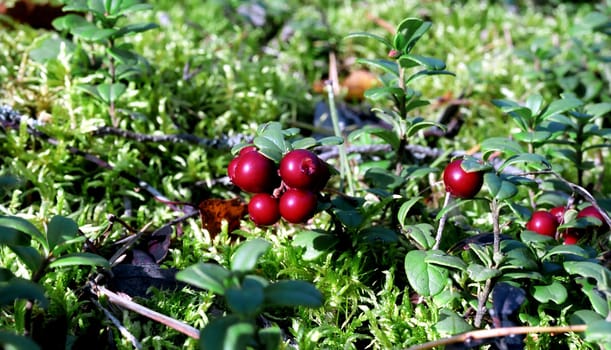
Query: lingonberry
460	183
255	173
302	169
558	212
264	209
591	211
543	223
570	237
297	206
233	165
247	149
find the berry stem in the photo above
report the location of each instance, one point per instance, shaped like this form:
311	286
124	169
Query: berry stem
345	173
442	221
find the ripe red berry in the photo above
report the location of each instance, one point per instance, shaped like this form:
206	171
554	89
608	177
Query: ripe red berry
460	183
264	209
570	237
232	167
246	150
543	223
255	173
301	168
297	206
591	211
558	212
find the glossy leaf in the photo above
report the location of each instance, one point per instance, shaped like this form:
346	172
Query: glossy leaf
331	141
427	72
91	32
268	148
304	143
60	230
378	234
498	187
30	256
560	106
568	249
385	65
24	226
226	333
122	55
270	337
426	279
18	288
599	332
409	31
111	92
451	323
379	93
134	28
429	62
422	234
555	292
246	256
589	269
479	273
17	342
76	259
405	208
207	276
69	22
501	144
378	38
246	299
531	160
315	243
440	258
293	293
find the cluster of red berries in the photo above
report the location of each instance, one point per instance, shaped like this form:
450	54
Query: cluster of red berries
547	222
288	190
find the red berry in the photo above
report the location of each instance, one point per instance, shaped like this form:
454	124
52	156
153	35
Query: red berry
232	167
255	173
297	206
247	149
460	183
263	209
301	168
570	237
558	212
543	223
591	211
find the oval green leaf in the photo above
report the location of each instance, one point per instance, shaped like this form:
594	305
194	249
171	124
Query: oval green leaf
426	279
246	256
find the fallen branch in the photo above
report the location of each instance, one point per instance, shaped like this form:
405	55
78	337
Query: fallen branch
126	333
124	302
497	332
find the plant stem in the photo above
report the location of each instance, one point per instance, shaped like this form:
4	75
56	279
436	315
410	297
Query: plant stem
498	332
345	173
113	79
496	253
442	221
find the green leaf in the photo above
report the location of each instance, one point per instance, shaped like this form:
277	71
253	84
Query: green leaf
91	32
18	288
268	148
379	93
405	208
12	341
385	65
92	90
315	243
409	31
422	234
24	226
440	258
246	256
270	337
69	22
29	255
532	160
479	273
75	259
134	28
304	143
111	92
427	72
60	230
598	109
499	188
384	41
599	302
560	106
451	323
331	141
567	249
521	115
533	136
382	178
122	55
430	63
534	103
501	144
555	292
589	269
226	333
584	317
5	274
11	236
378	234
599	332
426	279
207	276
293	293
423	124
247	299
